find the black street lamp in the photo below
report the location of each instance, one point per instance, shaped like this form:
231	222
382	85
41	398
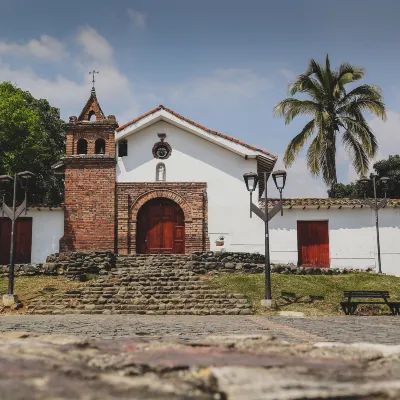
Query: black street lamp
251	180
13	213
373	179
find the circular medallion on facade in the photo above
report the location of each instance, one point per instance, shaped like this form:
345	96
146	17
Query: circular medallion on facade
162	150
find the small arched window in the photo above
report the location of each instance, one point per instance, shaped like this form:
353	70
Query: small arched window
161	172
91	115
100	146
82	146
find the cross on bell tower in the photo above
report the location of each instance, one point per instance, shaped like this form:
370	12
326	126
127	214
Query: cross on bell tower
93	73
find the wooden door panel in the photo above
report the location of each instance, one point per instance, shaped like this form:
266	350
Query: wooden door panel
23	241
313	243
157	228
5	240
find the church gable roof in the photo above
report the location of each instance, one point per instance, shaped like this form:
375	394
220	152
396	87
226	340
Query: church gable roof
161	108
92	107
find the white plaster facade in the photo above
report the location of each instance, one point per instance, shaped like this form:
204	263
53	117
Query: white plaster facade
196	159
352	236
198	156
47	230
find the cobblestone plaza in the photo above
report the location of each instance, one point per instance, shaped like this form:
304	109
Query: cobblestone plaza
346	329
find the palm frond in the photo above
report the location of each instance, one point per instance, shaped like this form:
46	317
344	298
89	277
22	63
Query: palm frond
315	68
297	143
358	155
308	85
314	155
290	108
364	92
361	129
349	73
375	107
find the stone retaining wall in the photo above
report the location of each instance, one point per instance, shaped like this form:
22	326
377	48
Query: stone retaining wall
253	263
71	264
75	265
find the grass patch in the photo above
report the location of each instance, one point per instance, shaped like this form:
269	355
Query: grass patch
311	294
34	287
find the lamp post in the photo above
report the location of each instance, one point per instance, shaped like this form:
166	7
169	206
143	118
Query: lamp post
373	179
13	213
251	180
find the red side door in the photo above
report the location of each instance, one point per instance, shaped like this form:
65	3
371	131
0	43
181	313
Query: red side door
23	241
313	243
5	240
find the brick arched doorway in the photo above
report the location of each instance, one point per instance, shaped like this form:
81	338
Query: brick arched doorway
160	228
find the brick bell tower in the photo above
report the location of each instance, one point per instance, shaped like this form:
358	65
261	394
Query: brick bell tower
89	167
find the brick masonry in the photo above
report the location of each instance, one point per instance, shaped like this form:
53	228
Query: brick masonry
190	196
89	216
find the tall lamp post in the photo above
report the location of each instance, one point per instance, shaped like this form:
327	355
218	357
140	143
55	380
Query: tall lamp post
13	213
251	180
374	179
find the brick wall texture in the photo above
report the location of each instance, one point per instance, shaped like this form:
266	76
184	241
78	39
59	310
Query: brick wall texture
190	196
89	216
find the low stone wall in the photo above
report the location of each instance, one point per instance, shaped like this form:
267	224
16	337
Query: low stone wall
253	263
75	265
226	257
72	265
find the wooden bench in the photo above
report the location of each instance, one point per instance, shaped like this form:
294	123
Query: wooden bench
349	307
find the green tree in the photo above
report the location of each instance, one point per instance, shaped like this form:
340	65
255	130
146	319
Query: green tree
31	138
389	168
335	111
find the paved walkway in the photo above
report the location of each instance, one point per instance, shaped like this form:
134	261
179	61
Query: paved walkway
347	329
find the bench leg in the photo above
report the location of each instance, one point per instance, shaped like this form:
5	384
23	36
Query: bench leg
353	308
345	308
395	309
349	308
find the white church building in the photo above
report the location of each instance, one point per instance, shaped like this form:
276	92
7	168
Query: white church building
174	186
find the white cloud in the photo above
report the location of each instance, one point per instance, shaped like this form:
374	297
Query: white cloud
387	134
138	19
221	84
288	74
95	46
113	88
300	183
46	48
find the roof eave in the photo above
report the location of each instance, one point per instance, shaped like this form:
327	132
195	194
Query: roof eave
163	115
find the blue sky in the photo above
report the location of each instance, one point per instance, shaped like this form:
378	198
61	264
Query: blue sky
224	64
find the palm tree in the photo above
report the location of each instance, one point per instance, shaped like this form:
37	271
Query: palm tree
334	112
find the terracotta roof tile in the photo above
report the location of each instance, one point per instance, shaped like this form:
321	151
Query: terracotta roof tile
189	121
324	202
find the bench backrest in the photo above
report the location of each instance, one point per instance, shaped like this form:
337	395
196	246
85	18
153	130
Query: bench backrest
373	294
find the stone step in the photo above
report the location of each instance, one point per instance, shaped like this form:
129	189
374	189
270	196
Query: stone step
146	284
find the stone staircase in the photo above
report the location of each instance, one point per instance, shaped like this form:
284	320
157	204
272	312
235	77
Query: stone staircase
146	284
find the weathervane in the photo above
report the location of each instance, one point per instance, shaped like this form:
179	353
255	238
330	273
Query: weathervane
93	79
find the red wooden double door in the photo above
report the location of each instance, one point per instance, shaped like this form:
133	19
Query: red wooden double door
313	243
160	228
23	241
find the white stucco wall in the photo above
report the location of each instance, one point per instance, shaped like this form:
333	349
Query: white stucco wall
352	237
47	230
194	159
